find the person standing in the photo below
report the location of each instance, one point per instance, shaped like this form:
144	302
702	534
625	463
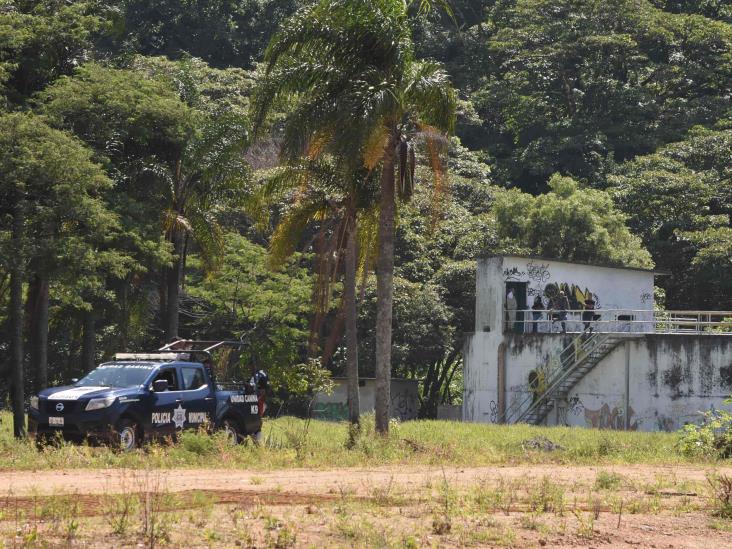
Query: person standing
511	306
562	307
588	314
537	310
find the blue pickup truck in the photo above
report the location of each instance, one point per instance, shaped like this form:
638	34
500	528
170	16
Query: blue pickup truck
139	397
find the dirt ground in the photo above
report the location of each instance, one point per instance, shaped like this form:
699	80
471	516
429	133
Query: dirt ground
519	506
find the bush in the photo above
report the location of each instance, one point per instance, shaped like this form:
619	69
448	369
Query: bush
712	438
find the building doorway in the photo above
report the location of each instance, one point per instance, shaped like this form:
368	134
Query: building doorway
519	292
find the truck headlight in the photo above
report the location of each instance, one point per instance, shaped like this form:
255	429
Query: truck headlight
33	401
99	403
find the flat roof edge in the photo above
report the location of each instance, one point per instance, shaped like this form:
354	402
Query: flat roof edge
586	263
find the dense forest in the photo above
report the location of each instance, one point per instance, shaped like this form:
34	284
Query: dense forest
210	169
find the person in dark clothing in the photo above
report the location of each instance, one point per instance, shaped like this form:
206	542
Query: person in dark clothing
537	309
588	314
562	306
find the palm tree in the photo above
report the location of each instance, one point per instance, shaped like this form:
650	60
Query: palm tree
323	193
210	174
349	68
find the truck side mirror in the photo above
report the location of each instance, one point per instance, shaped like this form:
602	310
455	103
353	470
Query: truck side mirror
160	385
74	379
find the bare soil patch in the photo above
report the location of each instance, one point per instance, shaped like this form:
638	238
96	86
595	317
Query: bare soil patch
514	506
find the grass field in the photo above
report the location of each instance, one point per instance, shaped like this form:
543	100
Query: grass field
428	484
293	442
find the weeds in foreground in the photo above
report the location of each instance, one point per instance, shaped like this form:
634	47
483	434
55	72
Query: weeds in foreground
442	520
721	491
155	525
547	497
608	481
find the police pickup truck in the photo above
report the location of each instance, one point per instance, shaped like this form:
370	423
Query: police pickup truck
140	397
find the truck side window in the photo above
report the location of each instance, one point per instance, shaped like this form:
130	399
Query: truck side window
169	375
192	378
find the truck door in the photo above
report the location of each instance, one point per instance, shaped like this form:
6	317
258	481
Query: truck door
166	410
198	395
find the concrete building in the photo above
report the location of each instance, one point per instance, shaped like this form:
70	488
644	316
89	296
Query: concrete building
334	407
637	368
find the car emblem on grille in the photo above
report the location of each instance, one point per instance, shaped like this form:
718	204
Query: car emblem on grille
60	407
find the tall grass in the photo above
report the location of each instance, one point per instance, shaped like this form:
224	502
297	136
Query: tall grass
327	445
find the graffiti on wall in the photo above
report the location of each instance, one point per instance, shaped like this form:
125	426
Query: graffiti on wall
513	274
575	295
575	406
493	407
403	405
665	423
331	411
609	418
538	272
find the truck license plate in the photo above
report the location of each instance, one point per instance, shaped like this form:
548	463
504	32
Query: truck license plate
56	421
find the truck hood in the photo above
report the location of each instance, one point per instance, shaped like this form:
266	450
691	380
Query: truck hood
71	392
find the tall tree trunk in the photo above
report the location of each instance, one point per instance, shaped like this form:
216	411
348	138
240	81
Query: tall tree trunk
16	320
173	284
163	295
384	290
39	331
88	341
349	297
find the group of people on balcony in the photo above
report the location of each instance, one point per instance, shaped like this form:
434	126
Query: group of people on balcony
557	309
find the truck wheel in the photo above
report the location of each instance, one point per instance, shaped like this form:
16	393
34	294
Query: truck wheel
233	433
128	435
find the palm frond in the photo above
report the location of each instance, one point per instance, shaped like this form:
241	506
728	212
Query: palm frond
176	222
373	151
290	229
431	96
208	236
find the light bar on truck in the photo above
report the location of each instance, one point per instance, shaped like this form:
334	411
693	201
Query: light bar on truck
146	356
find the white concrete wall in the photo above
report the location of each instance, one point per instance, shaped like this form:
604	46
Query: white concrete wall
480	377
672	378
404	400
612	288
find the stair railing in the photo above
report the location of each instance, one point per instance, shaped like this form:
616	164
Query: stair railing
555	372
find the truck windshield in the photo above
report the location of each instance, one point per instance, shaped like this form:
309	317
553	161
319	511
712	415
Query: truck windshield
116	375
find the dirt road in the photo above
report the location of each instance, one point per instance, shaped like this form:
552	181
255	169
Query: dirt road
517	506
99	481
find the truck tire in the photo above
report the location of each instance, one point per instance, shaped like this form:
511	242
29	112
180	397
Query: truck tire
127	435
233	432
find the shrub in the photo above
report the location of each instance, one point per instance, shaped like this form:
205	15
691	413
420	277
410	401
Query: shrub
712	438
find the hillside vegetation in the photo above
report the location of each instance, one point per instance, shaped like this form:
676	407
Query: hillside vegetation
143	193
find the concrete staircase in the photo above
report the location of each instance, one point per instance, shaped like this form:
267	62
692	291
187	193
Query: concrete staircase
561	375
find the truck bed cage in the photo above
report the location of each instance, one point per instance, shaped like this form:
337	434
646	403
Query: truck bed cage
205	349
199	347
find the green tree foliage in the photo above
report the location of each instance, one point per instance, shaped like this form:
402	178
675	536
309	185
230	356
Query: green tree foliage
41	40
222	33
575	87
359	89
245	299
569	222
714	9
50	213
679	200
180	155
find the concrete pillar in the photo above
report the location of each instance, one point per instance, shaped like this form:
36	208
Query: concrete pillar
626	403
489	295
